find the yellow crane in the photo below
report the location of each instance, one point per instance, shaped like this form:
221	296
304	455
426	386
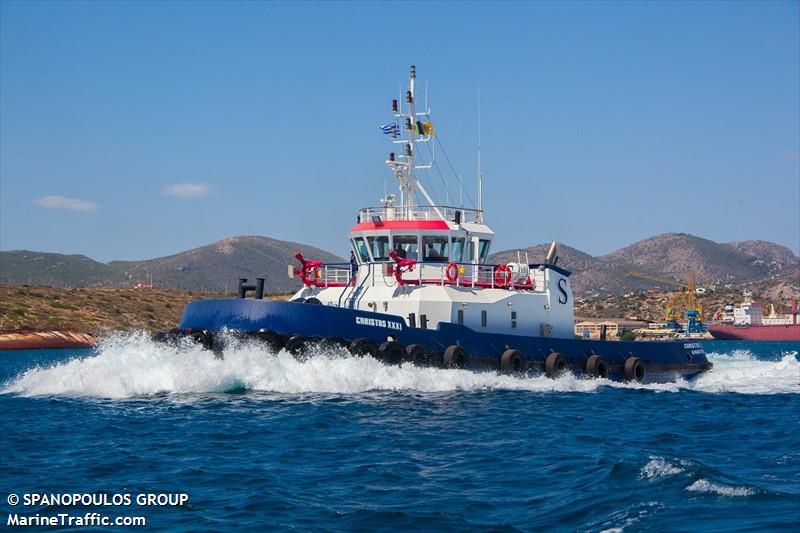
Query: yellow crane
682	300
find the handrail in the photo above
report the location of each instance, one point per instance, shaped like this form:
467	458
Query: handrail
473	275
420	212
355	289
481	276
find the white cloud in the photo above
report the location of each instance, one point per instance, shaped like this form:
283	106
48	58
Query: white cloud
60	202
188	190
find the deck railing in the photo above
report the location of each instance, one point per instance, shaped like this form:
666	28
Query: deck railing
430	273
421	212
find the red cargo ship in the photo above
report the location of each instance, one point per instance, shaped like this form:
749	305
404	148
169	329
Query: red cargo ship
746	322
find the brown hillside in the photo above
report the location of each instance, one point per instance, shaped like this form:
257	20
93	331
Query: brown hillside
92	311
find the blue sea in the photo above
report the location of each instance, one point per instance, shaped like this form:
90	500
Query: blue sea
258	441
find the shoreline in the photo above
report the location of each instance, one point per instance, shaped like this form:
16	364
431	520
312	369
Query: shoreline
29	339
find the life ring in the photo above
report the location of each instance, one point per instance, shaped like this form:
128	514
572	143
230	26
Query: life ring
451	272
502	276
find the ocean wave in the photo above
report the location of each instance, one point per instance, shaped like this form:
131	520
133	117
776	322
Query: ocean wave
704	485
133	366
657	467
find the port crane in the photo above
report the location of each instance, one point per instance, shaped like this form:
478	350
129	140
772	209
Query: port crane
682	302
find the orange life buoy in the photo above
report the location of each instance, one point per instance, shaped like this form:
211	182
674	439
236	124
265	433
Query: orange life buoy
502	276
451	272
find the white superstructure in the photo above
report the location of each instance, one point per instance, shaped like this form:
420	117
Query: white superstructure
426	263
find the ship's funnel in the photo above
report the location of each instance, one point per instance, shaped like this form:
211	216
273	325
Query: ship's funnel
552	254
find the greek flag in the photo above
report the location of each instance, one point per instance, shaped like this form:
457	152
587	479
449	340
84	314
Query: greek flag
390	129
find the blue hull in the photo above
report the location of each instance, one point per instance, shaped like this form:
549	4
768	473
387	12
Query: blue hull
664	360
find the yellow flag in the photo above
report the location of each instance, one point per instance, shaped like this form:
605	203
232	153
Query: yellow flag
427	128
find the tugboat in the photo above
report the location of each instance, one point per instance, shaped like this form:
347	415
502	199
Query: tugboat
418	290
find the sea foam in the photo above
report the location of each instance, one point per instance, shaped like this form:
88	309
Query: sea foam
133	366
703	485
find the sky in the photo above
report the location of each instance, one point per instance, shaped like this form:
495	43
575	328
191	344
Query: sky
138	130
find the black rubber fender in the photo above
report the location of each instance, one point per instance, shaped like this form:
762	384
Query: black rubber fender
204	338
597	366
555	365
455	356
333	343
512	361
297	344
391	353
363	346
418	355
634	369
272	340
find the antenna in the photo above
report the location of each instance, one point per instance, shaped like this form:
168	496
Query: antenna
480	174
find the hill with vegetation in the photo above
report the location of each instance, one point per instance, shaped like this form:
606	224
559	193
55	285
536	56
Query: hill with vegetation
91	310
764	267
215	267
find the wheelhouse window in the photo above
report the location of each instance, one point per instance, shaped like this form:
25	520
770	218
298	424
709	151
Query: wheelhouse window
379	247
470	251
406	246
361	249
435	248
457	250
483	249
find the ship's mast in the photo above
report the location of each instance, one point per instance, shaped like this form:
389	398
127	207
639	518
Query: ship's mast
410	120
404	164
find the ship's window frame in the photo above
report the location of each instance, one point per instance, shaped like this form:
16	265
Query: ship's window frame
408	243
483	249
440	245
361	249
372	240
459	244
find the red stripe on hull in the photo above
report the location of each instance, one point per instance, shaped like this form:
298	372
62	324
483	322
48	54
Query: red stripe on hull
402	224
789	332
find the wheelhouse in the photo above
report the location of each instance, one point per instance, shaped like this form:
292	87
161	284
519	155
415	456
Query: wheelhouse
461	239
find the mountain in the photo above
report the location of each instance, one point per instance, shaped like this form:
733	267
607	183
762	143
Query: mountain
766	251
215	267
218	266
673	255
57	270
771	269
577	260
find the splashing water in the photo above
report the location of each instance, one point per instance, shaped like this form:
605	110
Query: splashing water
133	366
657	467
704	485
